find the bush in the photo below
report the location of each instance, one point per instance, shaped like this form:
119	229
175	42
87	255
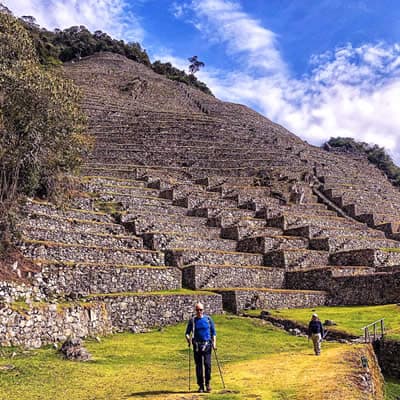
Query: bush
41	124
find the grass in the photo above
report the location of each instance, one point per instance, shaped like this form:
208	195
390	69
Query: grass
259	362
349	319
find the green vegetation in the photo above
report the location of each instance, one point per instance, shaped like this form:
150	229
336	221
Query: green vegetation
375	154
41	125
259	361
349	319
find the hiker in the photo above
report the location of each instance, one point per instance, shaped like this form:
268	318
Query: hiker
316	333
201	333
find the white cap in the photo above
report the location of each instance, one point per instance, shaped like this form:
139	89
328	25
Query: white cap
315	315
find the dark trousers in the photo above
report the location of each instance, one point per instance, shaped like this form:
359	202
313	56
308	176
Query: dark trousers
202	360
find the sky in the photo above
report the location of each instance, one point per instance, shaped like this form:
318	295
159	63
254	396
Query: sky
321	68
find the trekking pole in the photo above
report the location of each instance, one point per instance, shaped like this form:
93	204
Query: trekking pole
189	366
219	367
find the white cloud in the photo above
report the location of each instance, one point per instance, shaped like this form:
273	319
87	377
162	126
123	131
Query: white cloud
111	16
350	92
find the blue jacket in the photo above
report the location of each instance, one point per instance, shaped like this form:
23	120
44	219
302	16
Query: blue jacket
315	326
204	329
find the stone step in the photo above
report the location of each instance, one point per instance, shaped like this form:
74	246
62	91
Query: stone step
218	217
278	211
110	181
264	244
248	227
32	208
126	190
182	257
202	200
180	191
81	279
345	243
68	224
236	300
290	221
142	226
130	200
82	238
295	259
368	257
376	219
202	276
140	312
173	240
310	231
211	182
116	173
44	250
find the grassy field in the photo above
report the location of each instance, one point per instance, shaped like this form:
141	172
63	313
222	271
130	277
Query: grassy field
259	362
349	319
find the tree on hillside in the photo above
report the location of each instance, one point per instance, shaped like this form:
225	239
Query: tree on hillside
195	64
41	125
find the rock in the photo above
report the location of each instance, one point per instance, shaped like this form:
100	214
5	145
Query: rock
329	322
74	350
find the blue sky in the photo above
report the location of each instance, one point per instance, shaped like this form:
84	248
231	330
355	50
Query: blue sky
321	68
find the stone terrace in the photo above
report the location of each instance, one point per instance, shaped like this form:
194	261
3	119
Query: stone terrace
188	198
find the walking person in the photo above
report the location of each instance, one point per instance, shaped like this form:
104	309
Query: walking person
201	333
316	333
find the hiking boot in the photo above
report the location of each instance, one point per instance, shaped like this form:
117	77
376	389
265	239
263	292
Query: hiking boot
208	388
201	389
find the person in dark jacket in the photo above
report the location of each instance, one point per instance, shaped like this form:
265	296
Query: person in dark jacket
316	333
201	333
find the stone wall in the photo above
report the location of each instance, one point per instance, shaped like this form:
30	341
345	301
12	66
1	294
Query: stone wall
13	291
62	279
380	288
388	353
238	300
39	324
204	276
139	313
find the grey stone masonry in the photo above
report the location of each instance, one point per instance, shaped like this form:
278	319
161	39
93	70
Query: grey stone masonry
322	278
293	259
248	227
181	257
80	238
265	244
381	288
80	253
388	351
33	207
171	240
368	257
37	324
13	291
237	300
142	224
312	231
289	221
45	221
345	243
228	276
63	279
140	313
